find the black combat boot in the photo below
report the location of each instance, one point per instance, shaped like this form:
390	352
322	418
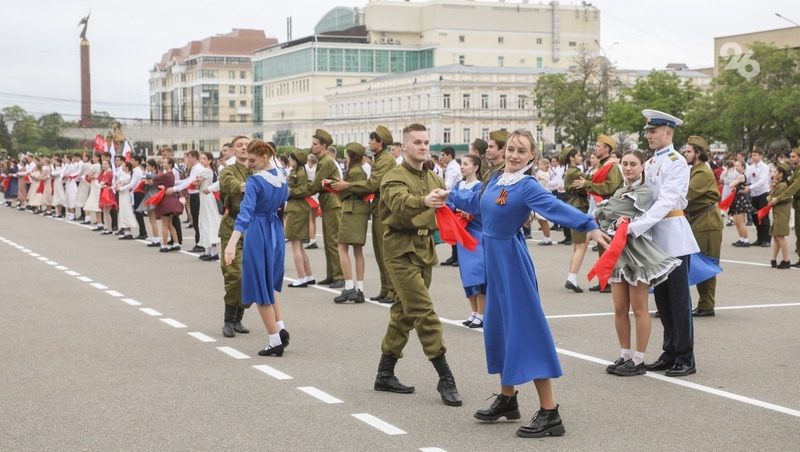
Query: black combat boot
386	381
447	384
237	321
544	422
503	406
230	318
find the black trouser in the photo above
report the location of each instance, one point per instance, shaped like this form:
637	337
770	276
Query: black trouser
674	303
176	223
762	229
194	207
137	199
115	214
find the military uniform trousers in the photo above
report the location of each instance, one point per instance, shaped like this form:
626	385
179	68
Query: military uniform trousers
796	204
231	274
674	303
710	243
331	218
378	229
412	307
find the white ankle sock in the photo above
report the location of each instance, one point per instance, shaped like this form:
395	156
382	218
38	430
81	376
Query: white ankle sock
274	340
213	250
625	353
360	285
479	317
573	278
281	325
349	284
638	358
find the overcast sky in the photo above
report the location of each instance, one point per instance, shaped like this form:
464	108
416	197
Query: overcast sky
39	39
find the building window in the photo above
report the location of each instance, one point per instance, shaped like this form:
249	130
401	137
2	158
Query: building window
484	101
538	40
501	61
465	102
538	62
573	43
466	135
461	59
242	103
500	40
462	38
485	134
503	101
232	103
231	74
243	89
242	74
338	82
446	101
231	89
232	118
446	135
521	100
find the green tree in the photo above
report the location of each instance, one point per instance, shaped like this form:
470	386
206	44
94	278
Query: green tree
26	134
102	120
5	135
51	126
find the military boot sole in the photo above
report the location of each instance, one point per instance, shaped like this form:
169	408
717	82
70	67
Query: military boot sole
394	389
512	415
556	430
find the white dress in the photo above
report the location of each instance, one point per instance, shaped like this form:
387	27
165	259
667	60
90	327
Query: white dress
126	217
84	186
59	195
209	212
93	200
71	173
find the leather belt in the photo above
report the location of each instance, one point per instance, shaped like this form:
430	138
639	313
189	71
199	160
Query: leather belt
420	232
674	213
690	215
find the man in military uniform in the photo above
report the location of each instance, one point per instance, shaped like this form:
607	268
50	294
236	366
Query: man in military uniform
793	192
379	142
605	182
478	149
231	190
667	174
703	216
331	207
408	193
495	154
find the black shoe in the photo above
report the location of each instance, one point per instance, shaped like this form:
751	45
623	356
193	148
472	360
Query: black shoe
477	323
312	246
697	312
164	249
449	261
296	285
126	237
546	243
360	297
119	232
544	422
595	288
227	329
141	237
468	321
565	242
204	257
447	384
629	369
240	328
346	295
454	264
657	315
197	249
326	281
174	248
386	300
106	232
598	289
189	226
765	244
378	297
337	284
610	368
596	248
680	370
386	380
153	244
658	365
796	264
773	263
311	282
284	337
272	351
572	287
740	244
503	406
97	229
784	265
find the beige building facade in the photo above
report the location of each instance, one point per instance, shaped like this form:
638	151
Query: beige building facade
728	50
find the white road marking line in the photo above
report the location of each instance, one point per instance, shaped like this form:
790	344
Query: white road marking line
173	323
25	250
319	287
84	278
233	353
72	273
98	286
381	425
757	264
201	337
114	293
718	308
52	263
150	311
320	395
19	247
61	267
131	302
431	449
32	254
42	258
272	372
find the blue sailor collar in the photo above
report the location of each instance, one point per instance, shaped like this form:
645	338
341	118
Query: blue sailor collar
665	150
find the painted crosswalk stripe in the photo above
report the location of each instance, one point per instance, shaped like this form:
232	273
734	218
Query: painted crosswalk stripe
42	258
53	263
233	353
72	273
272	372
32	254
380	424
150	311
173	323
202	337
131	302
61	267
99	286
432	449
319	394
114	293
85	278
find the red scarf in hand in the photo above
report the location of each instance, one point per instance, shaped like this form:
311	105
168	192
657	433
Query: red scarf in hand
139	187
725	204
315	207
155	199
603	267
452	229
40	188
598	178
763	213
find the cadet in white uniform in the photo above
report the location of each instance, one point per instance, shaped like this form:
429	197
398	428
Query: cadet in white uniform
668	175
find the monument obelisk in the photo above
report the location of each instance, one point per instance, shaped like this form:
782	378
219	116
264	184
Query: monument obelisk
86	80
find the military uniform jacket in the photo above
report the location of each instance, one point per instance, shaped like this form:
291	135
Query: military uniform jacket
299	190
781	211
576	197
355	211
381	164
326	169
702	199
485	165
794	188
409	222
230	190
610	185
496	169
667	174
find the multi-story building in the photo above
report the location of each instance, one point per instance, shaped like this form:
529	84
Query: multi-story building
353	46
207	82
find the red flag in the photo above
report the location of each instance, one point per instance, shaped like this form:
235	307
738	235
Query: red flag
725	204
451	229
603	267
139	187
155	199
314	206
99	144
763	213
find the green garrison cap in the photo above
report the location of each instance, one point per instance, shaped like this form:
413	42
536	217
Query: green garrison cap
384	134
323	136
355	148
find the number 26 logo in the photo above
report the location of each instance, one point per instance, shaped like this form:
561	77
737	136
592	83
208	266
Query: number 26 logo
739	60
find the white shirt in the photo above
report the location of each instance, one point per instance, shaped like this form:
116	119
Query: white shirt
185	183
557	178
758	177
667	174
136	177
367	169
399	159
452	174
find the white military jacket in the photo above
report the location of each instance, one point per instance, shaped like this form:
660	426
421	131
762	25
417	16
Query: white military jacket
667	174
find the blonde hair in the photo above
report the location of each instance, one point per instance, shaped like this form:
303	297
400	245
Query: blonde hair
526	134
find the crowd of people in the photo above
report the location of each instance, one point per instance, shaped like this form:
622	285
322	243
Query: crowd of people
647	216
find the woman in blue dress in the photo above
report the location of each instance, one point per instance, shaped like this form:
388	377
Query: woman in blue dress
470	263
517	339
265	193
